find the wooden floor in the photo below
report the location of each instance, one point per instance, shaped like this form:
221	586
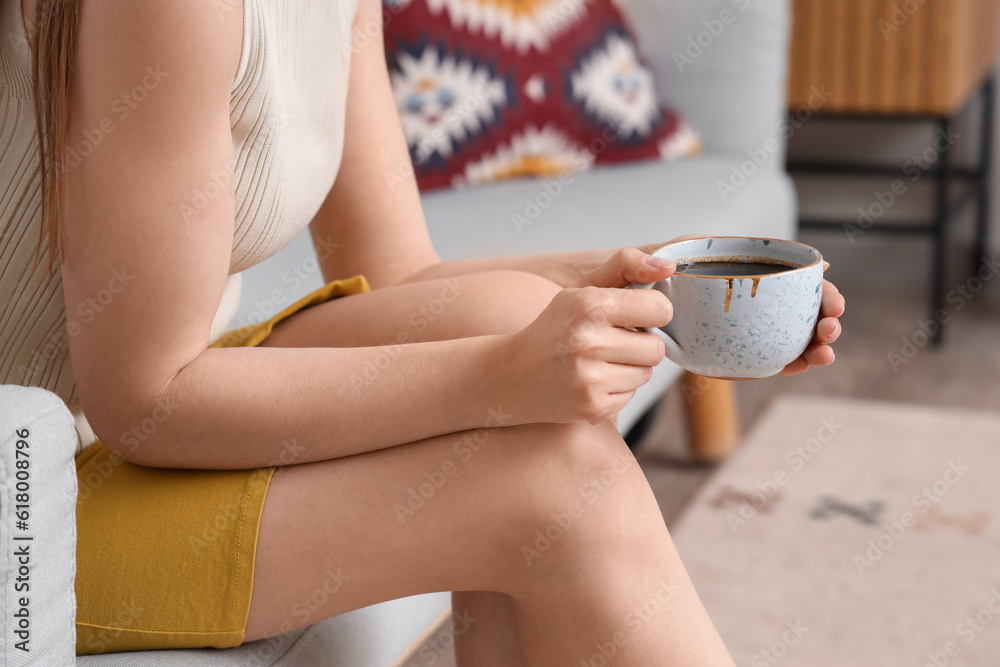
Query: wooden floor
964	372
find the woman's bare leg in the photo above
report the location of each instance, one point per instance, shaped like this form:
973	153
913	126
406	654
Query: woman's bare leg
560	518
494	642
475	304
467	305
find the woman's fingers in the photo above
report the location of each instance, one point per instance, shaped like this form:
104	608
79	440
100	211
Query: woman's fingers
633	308
796	367
833	303
828	330
629	265
818	354
624	346
623	378
617	403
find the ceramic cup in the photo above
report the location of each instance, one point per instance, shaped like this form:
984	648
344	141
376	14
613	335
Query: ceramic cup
740	327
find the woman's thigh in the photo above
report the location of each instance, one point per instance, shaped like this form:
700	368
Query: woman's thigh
457	512
468	305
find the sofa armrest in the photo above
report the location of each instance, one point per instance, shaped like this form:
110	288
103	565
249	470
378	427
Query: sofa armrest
37	528
728	78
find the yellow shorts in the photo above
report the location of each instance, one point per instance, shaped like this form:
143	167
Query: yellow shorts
165	558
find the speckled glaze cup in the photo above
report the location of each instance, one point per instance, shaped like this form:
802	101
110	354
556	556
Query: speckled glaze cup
740	327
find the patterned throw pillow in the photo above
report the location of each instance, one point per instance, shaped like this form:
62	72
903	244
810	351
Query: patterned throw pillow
496	89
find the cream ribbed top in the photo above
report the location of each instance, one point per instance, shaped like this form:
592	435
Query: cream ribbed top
287	117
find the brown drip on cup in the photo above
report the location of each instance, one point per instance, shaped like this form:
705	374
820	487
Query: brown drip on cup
729	293
753	292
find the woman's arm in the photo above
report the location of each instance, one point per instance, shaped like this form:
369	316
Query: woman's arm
372	221
149	386
562	268
151	389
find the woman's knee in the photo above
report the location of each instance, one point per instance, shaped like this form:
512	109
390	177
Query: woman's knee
511	299
582	495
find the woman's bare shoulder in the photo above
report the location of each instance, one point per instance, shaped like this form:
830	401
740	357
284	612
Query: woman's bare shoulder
203	28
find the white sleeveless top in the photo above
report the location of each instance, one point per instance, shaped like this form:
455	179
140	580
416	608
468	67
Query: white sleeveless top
287	116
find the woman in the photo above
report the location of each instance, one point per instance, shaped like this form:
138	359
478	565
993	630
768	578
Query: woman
189	141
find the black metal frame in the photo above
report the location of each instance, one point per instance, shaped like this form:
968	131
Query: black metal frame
945	174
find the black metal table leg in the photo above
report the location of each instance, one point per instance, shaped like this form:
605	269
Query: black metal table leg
985	164
940	229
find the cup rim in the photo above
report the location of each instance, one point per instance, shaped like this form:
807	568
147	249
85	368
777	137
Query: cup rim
818	260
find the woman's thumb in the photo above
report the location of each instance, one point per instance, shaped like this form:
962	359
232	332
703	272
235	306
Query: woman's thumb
629	265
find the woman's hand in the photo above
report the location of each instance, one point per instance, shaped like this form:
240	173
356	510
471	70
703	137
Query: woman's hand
819	352
581	359
828	329
568	268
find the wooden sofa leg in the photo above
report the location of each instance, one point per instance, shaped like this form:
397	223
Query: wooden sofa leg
712	419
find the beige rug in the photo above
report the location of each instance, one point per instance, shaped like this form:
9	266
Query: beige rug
849	533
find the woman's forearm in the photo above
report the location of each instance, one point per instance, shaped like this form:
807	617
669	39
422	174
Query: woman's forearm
252	407
562	268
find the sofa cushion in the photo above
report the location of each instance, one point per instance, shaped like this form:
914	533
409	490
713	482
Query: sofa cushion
611	207
488	91
38	528
375	636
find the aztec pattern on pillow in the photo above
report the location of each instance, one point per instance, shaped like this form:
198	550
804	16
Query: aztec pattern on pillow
496	89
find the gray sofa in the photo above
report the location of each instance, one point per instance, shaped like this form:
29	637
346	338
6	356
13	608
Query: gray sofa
730	83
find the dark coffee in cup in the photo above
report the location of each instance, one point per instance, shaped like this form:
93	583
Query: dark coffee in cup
715	267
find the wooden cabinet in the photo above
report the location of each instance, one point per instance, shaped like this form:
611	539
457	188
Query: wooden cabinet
921	57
